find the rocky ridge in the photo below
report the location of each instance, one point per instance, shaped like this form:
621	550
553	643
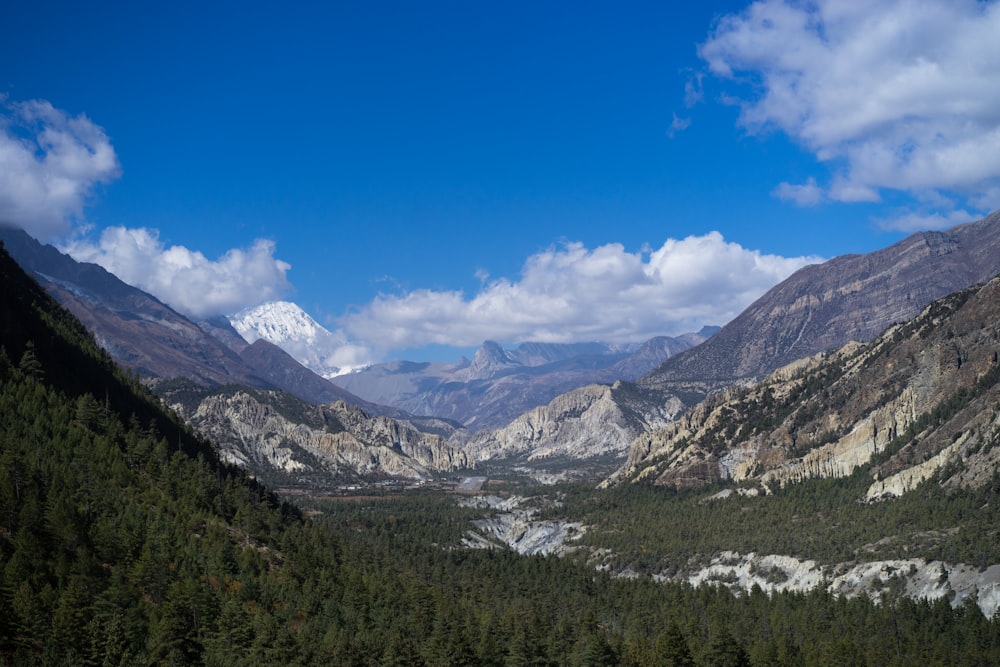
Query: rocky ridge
593	421
271	434
499	385
824	306
920	397
274	433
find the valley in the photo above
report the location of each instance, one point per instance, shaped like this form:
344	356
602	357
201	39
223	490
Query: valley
858	483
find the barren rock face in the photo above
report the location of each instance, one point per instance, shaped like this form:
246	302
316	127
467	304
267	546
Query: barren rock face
927	390
337	439
596	420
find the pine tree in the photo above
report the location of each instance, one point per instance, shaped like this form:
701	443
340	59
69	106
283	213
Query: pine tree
671	648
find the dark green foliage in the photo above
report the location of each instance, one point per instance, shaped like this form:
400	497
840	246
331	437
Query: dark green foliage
124	541
672	648
651	529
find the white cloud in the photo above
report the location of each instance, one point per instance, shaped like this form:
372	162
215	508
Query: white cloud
50	163
185	279
893	94
807	194
914	222
572	293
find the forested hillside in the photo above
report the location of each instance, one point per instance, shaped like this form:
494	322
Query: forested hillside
124	541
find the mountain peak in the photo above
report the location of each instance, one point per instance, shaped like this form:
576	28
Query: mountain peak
276	321
489	360
286	325
823	306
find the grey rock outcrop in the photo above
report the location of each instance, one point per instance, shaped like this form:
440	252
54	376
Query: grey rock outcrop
596	420
513	525
916	578
321	444
927	390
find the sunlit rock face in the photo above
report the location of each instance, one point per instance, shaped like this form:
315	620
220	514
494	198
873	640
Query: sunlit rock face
925	390
596	420
256	429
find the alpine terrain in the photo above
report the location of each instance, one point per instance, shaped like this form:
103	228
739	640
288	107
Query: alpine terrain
824	306
293	330
126	540
499	384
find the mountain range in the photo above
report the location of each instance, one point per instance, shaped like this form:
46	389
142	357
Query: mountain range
553	409
125	540
498	384
823	306
144	334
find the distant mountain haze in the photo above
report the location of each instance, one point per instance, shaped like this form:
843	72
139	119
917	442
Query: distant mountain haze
498	384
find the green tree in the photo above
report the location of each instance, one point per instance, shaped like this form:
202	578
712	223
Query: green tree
671	649
724	651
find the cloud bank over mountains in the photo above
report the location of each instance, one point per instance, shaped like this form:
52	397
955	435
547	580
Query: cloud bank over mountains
571	293
51	164
897	95
897	100
185	279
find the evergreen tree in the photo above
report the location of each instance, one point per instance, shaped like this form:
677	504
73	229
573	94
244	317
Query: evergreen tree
671	649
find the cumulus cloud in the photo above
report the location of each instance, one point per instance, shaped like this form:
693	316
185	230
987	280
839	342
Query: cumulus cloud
892	94
186	279
50	163
572	293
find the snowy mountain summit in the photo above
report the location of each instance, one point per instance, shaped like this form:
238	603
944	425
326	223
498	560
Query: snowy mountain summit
292	329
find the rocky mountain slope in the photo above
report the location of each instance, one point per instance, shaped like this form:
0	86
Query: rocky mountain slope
823	306
142	333
499	385
289	443
919	401
595	421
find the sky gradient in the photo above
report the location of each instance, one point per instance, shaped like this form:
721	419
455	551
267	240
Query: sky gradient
424	176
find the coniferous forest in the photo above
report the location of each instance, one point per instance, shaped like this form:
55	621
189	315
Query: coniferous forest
125	541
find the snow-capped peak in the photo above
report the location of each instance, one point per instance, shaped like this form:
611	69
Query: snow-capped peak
292	329
277	322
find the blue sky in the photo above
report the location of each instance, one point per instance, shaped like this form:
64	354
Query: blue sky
423	176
